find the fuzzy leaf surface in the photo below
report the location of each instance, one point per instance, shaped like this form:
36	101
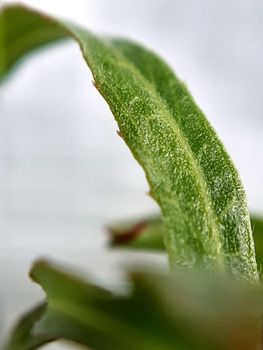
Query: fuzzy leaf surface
189	172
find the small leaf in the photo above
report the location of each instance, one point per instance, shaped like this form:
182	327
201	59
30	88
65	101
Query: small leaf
145	233
190	174
183	310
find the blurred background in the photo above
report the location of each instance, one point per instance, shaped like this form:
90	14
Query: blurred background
64	173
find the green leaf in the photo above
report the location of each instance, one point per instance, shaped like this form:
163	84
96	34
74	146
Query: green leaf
189	172
183	310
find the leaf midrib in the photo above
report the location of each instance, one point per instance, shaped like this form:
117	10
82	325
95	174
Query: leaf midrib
170	121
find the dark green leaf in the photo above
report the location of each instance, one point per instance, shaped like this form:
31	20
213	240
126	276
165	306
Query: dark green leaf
189	172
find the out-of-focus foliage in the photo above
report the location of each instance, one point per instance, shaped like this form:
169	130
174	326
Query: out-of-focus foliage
180	310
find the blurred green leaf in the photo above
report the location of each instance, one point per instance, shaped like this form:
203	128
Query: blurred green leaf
160	311
189	172
146	233
22	31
